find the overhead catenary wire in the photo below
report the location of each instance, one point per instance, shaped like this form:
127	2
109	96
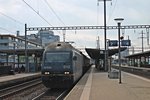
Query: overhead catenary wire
37	13
112	11
1	28
50	7
11	18
38	6
54	12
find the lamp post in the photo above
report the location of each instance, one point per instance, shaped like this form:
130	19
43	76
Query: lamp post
109	67
26	55
14	44
105	37
119	20
33	56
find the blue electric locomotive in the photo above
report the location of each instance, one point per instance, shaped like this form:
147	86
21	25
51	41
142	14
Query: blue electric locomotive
62	65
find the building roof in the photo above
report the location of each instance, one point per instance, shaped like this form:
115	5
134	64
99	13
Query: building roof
99	54
137	55
20	38
38	52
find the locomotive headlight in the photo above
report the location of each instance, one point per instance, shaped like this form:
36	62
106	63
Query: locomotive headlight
66	73
46	73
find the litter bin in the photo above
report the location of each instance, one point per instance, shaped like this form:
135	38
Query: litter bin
11	72
113	74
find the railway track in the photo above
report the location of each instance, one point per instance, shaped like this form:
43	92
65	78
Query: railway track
10	91
52	94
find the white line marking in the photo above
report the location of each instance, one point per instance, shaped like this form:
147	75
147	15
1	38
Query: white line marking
87	88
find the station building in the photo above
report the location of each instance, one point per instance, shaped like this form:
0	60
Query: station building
47	37
12	49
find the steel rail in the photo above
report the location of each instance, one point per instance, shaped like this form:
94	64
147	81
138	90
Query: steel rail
4	93
54	94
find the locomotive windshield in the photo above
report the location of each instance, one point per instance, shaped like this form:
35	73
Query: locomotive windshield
57	57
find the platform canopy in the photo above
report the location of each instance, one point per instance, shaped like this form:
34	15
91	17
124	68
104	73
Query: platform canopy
38	52
138	55
100	54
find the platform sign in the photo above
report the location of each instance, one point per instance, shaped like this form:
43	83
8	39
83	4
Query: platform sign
125	43
112	43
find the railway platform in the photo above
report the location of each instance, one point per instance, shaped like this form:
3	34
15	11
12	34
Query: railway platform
11	79
96	85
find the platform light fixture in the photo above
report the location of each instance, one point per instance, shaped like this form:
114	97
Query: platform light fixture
119	20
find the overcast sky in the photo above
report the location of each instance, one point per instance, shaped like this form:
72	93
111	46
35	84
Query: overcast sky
15	13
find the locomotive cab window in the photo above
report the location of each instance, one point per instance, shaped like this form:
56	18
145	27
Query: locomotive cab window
57	57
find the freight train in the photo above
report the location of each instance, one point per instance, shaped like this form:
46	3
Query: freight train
63	65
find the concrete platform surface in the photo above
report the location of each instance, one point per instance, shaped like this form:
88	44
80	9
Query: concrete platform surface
17	76
99	87
4	80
